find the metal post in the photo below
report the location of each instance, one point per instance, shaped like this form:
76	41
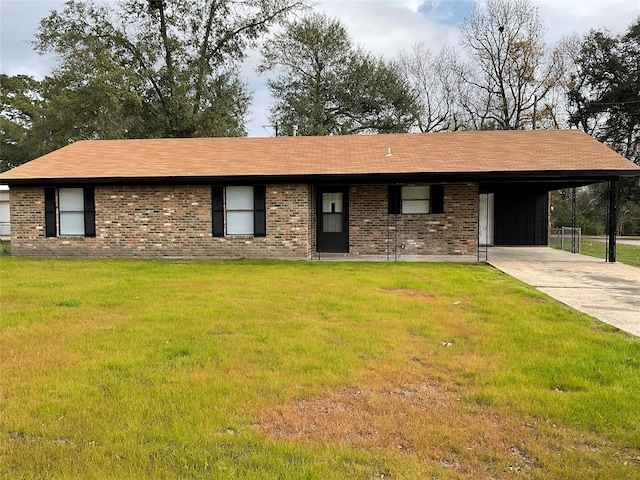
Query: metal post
395	238
486	233
388	235
479	224
612	222
574	207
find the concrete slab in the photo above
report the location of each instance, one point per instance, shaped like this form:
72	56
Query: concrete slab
609	292
346	257
537	254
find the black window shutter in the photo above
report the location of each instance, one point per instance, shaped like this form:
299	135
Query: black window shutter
217	213
259	211
89	212
395	199
50	212
437	198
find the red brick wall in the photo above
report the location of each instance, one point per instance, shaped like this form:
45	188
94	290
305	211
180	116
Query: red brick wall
175	221
373	231
163	221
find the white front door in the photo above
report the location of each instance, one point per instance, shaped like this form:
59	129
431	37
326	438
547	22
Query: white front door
485	222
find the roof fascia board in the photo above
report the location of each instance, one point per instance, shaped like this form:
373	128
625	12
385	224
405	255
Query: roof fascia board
588	176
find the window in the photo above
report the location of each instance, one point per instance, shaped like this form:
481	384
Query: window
70	211
415	199
332	212
239	210
71	206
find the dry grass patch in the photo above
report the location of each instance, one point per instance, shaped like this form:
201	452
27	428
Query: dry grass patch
427	420
404	292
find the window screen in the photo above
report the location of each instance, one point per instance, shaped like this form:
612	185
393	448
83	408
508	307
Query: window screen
415	199
239	210
71	201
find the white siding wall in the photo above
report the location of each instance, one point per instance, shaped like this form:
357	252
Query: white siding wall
5	226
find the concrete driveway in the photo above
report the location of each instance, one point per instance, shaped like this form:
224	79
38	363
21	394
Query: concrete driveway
609	292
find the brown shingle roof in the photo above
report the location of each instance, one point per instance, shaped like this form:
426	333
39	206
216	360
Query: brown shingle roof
458	152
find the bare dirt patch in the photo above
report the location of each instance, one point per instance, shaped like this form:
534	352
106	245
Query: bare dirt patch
429	421
404	292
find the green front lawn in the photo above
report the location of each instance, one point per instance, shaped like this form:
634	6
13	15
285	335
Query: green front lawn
629	254
251	369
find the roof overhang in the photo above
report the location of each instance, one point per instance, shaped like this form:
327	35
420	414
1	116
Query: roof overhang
560	177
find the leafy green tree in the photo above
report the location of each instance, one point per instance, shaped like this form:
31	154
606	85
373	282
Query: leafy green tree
21	97
604	100
604	89
591	209
152	68
324	85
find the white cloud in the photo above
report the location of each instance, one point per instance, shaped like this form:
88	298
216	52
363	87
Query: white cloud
383	27
19	21
386	27
565	17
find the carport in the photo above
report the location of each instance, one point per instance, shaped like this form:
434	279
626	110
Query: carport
515	211
609	292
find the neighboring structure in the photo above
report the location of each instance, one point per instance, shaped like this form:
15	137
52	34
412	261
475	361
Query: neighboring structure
296	197
5	219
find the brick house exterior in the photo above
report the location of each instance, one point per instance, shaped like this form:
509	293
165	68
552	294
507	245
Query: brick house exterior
158	221
295	198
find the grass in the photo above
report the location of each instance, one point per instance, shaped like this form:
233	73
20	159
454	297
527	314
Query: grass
629	254
250	369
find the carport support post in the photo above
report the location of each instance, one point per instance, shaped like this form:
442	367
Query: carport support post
613	221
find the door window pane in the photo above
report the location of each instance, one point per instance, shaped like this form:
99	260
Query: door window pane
332	202
332	212
332	222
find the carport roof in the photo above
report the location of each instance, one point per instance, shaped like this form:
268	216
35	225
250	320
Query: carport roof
540	155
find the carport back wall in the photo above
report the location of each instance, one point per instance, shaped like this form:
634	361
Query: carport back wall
521	216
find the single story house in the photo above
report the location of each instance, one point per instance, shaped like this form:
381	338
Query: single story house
300	197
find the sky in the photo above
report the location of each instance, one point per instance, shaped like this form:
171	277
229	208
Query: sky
383	27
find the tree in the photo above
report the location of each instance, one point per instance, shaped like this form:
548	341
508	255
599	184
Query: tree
437	84
324	85
603	93
152	68
591	209
604	89
510	68
21	98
